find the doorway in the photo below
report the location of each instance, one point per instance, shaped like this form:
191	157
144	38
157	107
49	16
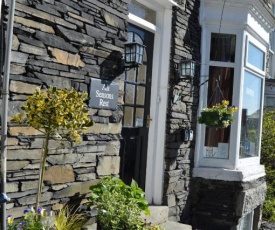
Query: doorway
136	110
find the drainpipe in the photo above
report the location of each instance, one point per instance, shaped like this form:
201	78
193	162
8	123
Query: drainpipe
5	93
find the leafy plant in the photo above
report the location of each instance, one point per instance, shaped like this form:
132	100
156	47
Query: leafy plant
57	113
119	205
67	219
268	159
31	220
219	115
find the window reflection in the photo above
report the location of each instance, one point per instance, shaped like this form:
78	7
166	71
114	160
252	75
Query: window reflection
251	115
256	57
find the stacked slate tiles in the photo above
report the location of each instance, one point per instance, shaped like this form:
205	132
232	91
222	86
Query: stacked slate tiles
63	43
183	101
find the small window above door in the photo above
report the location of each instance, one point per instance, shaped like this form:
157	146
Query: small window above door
142	11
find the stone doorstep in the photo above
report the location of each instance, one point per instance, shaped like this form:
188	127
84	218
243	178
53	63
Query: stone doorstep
90	227
169	225
159	215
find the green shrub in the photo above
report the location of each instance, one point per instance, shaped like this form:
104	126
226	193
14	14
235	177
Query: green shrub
119	205
268	159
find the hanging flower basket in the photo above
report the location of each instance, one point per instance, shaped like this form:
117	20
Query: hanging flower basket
218	116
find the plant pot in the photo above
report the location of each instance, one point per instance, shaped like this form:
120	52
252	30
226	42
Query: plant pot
214	120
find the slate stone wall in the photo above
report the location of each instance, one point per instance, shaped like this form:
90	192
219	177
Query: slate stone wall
63	43
220	204
181	111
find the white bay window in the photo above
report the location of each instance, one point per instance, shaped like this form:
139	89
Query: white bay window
233	68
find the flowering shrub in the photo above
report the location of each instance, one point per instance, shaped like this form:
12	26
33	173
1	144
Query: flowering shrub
219	115
32	221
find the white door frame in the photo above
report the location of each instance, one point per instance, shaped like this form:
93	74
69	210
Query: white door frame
159	92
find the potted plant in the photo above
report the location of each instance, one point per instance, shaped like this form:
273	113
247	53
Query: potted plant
218	116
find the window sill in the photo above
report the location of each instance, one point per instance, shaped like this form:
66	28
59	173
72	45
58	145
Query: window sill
246	173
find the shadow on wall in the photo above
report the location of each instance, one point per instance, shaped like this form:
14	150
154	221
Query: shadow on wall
182	114
112	66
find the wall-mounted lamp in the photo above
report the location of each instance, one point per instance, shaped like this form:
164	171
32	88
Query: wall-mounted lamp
133	54
187	68
132	57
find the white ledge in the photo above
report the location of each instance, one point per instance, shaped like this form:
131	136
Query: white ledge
247	173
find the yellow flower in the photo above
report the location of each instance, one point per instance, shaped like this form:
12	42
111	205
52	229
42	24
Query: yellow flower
225	102
10	219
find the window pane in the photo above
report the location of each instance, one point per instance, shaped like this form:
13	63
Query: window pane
141	78
131	75
130	94
128	116
252	97
256	57
140	95
223	47
220	87
142	11
139	117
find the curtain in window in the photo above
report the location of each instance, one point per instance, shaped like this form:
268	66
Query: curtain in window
220	87
223	47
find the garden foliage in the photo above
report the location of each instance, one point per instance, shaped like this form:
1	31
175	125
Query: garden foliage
119	205
67	219
32	220
64	219
57	113
219	115
268	159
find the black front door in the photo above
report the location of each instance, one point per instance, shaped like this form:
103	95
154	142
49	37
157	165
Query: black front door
137	92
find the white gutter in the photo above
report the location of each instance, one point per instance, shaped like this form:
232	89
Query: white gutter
5	93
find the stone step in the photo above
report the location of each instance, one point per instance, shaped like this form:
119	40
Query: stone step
159	215
169	225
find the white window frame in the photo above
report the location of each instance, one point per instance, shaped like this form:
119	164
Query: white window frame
200	160
261	47
256	21
240	65
261	74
